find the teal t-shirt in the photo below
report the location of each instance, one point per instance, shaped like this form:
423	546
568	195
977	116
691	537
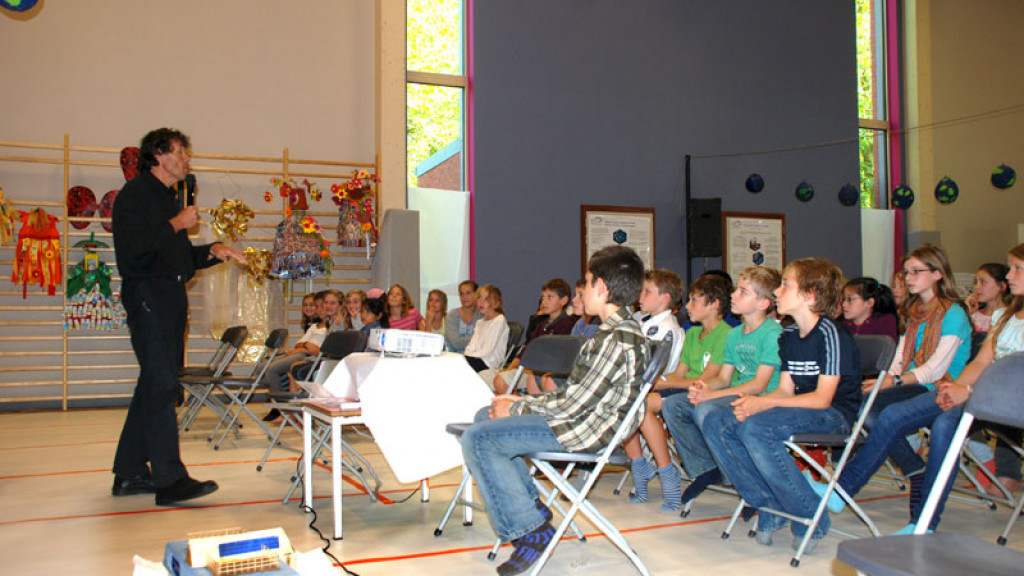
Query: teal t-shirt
746	352
699	352
954	323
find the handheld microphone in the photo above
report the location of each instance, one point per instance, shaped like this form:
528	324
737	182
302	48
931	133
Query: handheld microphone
190	189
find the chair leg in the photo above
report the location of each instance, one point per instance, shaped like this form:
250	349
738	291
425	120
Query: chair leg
463	486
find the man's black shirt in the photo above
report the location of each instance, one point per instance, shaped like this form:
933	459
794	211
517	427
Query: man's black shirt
145	243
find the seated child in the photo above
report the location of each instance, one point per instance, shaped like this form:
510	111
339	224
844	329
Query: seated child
461	322
750	367
586	326
437	311
869	308
374	314
487	347
818	392
353	309
701	359
554	297
583	416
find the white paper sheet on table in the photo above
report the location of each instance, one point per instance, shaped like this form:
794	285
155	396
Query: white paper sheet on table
407	402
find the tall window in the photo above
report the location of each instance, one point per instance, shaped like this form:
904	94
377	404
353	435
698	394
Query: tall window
436	93
872	104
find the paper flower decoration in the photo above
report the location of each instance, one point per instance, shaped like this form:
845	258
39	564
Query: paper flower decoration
258	264
294	193
231	218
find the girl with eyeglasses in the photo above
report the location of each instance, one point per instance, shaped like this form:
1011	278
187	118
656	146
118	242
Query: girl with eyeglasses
869	308
934	349
942	409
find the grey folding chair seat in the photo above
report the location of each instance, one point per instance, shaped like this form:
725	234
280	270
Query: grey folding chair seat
998	397
611	454
239	389
876	354
555	354
199	388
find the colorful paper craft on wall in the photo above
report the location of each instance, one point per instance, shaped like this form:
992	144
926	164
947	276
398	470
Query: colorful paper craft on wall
89	303
7	217
37	256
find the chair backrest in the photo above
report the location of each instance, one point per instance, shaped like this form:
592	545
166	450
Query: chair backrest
552	353
661	351
515	336
271	346
999	393
231	341
341	343
876	352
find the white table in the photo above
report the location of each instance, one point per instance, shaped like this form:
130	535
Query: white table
406	403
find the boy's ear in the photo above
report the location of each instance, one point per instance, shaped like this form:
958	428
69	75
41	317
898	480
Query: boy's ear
564	301
764	304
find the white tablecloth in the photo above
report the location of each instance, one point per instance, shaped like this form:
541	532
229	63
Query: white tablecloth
407	402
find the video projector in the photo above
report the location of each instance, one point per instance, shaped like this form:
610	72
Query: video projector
405	342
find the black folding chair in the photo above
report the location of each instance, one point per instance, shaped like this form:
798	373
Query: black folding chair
998	397
225	348
200	387
239	389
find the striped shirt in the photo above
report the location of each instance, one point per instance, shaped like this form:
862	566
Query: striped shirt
827	350
585	413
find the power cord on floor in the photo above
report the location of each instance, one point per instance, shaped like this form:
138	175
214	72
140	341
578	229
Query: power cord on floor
312	522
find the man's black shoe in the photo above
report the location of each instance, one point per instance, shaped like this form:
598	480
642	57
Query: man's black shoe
184	489
128	485
274	414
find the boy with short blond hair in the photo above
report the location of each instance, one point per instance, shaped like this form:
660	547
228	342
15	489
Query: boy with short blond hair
818	392
750	366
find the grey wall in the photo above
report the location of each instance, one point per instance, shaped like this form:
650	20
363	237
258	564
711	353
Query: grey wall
599	101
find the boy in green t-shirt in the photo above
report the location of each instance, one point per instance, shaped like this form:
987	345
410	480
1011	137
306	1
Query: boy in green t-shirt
701	359
751	366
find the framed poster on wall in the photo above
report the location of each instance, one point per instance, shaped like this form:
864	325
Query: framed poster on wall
628	226
753	239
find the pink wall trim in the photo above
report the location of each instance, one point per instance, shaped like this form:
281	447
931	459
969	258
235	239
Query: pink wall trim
894	83
470	138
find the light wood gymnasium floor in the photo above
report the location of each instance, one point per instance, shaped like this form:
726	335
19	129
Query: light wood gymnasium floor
59	518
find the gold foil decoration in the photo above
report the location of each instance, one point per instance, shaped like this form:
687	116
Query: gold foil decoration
258	264
231	218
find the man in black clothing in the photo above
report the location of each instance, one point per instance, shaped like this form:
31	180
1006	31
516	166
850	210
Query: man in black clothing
155	259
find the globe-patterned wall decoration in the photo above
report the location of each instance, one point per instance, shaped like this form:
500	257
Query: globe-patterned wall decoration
849	195
18	5
1004	177
902	197
804	192
947	191
754	183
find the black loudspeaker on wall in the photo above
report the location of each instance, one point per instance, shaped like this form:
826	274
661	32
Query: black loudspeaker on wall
704	226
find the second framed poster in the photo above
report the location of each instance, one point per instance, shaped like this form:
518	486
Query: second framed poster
753	239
